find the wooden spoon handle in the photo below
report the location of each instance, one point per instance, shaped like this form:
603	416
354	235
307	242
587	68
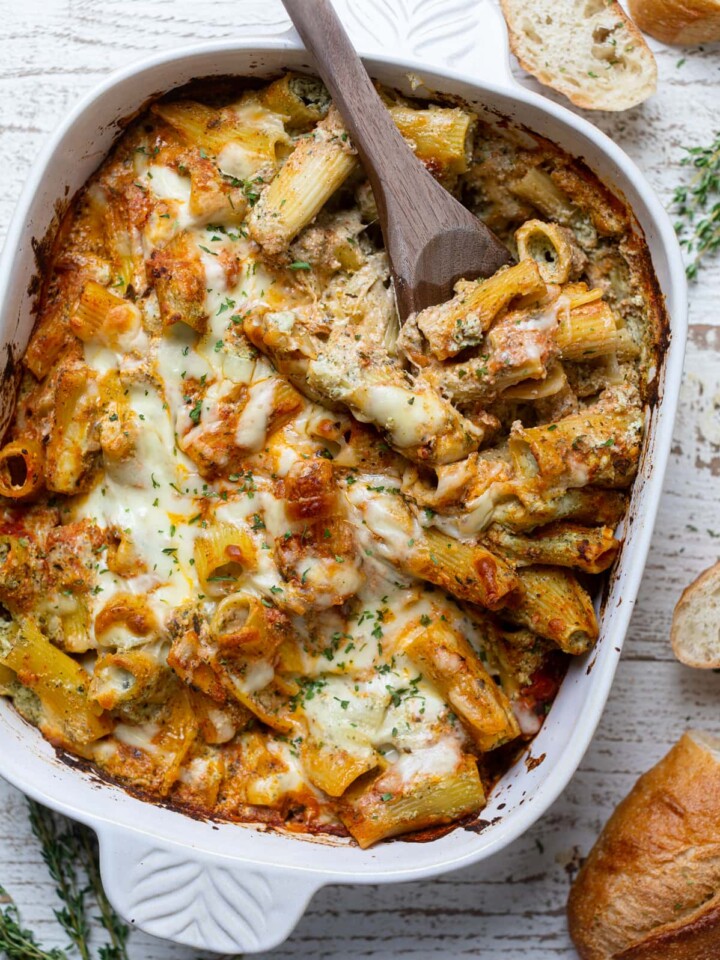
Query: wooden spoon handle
369	124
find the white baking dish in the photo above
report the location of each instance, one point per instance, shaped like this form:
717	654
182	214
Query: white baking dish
231	888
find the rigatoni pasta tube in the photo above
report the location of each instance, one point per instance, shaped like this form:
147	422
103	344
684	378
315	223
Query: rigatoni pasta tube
592	447
76	627
244	627
319	164
180	283
538	188
468	570
440	136
301	100
92	309
538	389
587	505
175	738
553	248
197	123
74	442
332	768
125	249
127	677
451	664
222	554
59	681
246	635
269	703
248	125
554	605
21	469
373	809
101	315
590	549
587	332
50	336
417	420
119	425
289	346
461	322
513	354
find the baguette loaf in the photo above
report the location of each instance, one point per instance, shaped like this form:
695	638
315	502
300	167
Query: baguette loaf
588	50
650	889
695	631
678	21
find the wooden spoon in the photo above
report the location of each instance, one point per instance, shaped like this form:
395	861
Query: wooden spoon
431	239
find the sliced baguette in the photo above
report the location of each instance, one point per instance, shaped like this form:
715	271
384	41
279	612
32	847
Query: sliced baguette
678	21
696	937
651	886
587	49
695	631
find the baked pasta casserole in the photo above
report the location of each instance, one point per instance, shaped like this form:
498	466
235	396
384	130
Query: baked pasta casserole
264	554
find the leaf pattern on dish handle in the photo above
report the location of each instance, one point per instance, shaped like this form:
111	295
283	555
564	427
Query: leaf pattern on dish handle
466	35
443	31
202	903
262	18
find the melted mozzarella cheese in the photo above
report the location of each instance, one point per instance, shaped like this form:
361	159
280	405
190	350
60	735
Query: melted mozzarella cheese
166	184
409	417
385	526
252	424
370	700
148	498
257	677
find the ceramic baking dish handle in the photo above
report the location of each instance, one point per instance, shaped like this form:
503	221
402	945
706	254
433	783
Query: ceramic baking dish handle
181	894
468	36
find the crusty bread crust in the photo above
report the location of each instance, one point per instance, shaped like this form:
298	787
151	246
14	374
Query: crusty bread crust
695	938
591	51
655	869
694	632
678	21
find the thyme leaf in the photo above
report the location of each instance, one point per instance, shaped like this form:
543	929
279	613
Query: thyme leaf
59	853
71	855
17	943
697	205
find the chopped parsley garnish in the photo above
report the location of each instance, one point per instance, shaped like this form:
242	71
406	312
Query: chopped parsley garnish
227	304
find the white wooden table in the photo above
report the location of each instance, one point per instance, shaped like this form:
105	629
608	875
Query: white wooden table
51	52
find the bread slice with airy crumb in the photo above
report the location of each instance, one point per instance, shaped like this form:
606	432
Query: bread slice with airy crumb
695	631
587	49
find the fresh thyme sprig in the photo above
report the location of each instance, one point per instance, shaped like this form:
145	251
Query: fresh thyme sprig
697	203
71	855
59	851
16	943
